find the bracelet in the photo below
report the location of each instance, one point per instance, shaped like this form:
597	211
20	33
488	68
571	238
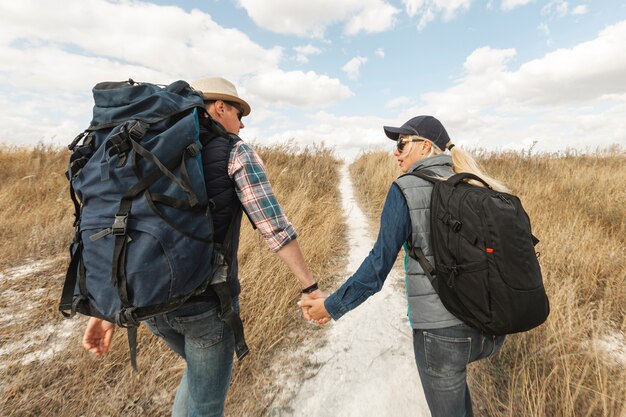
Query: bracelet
309	290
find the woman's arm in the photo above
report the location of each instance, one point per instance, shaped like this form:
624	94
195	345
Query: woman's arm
395	229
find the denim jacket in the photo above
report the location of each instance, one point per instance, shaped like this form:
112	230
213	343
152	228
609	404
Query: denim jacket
425	308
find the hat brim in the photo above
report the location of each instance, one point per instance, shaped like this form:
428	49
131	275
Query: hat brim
394	133
228	97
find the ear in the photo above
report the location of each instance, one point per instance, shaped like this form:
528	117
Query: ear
216	110
427	147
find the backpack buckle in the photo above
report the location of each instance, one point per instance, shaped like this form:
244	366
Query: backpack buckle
451	222
193	149
137	130
77	139
119	225
127	317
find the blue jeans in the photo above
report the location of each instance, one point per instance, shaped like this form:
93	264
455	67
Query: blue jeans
207	344
442	356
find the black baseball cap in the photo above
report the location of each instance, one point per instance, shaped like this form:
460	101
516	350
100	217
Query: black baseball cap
425	126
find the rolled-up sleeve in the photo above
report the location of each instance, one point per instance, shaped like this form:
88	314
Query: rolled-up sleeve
255	193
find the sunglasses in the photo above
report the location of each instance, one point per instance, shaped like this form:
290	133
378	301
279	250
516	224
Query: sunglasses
237	107
403	141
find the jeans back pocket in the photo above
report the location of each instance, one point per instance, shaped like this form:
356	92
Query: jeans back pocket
446	356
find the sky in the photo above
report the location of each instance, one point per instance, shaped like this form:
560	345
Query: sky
540	75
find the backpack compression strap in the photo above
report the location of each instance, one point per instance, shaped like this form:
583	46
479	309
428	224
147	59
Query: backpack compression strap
127	317
220	286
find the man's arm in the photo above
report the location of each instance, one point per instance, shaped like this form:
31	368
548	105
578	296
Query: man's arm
292	256
256	195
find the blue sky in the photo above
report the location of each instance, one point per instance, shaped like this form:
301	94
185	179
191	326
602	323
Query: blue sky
500	74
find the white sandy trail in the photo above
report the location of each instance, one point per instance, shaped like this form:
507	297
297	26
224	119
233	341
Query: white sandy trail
367	364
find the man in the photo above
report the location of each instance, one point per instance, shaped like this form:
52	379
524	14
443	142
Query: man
236	180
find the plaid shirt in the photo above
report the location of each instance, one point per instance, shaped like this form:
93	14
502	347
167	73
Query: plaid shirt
255	193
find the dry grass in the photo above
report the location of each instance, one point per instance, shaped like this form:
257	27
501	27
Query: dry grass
34	204
45	371
575	364
372	174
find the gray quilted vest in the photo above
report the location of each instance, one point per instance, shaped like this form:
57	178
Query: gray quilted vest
425	308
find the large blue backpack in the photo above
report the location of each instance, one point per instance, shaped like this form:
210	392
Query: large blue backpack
143	241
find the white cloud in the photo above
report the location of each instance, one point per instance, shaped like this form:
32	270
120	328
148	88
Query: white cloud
560	77
297	88
566	75
349	135
559	99
49	69
192	39
380	52
561	95
303	52
38	121
352	67
486	61
427	10
50	51
558	7
508	5
580	10
377	17
311	18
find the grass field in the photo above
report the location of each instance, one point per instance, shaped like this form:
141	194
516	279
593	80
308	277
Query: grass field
46	372
575	364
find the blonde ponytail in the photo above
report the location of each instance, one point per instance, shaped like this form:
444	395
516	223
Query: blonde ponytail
463	161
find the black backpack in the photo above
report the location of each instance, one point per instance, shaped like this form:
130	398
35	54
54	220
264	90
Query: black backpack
487	273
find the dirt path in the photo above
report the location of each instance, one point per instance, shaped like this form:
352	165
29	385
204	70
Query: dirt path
366	367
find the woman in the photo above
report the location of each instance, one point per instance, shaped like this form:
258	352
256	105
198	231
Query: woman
443	344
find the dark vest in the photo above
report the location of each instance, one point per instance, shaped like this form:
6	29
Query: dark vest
223	200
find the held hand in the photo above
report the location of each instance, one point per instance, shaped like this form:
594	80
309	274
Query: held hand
319	294
98	335
316	309
311	296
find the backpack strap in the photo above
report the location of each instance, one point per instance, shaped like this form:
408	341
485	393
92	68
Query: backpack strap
127	316
415	252
75	273
418	255
219	284
423	174
462	176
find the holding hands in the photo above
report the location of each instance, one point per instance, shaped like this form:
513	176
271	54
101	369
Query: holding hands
312	306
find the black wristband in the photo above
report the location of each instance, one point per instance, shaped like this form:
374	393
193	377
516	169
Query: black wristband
309	290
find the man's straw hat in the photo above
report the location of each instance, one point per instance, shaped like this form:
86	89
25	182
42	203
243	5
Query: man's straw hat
217	88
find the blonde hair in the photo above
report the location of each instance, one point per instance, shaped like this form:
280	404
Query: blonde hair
463	161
